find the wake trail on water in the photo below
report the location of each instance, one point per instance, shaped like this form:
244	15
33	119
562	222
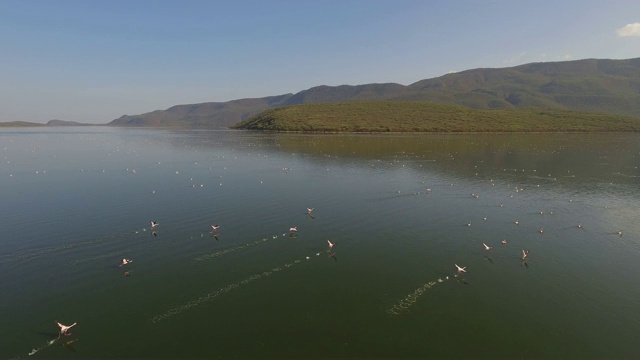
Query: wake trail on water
119	252
43	251
215	293
230	250
402	306
209	256
37	349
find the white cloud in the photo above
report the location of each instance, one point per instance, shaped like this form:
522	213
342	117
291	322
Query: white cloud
629	30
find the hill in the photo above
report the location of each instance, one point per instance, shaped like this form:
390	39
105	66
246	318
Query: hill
590	85
211	114
57	122
19	124
406	116
54	122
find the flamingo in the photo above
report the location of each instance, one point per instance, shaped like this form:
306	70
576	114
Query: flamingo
461	269
487	247
524	254
292	232
154	224
64	329
125	262
330	244
310	213
504	242
215	227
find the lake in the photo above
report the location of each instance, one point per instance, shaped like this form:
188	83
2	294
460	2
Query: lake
401	210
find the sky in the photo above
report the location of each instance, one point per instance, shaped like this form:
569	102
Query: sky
94	61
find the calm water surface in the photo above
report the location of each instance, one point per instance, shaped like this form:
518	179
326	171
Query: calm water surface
401	210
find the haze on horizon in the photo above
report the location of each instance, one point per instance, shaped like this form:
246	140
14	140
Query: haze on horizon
92	61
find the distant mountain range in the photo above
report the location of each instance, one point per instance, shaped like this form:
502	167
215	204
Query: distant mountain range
65	123
54	122
590	85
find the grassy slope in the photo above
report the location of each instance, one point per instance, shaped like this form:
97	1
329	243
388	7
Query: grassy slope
407	116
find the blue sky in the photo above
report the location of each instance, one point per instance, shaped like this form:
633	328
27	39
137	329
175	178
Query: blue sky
93	61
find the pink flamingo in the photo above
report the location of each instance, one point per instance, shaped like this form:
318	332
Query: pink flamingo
215	227
461	269
154	224
64	329
125	262
330	245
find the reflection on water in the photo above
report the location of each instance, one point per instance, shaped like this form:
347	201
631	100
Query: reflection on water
401	211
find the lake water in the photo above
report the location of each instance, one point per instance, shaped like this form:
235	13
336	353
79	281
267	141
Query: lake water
401	210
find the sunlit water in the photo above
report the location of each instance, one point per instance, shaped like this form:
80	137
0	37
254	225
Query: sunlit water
401	210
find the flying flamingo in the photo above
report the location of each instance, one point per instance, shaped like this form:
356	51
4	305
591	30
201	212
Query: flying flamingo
524	254
487	247
154	224
125	262
330	245
292	231
461	269
64	329
215	227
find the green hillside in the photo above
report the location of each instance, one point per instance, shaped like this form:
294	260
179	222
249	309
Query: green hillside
589	85
606	86
414	116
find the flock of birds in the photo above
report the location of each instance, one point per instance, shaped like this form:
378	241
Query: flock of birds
64	330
